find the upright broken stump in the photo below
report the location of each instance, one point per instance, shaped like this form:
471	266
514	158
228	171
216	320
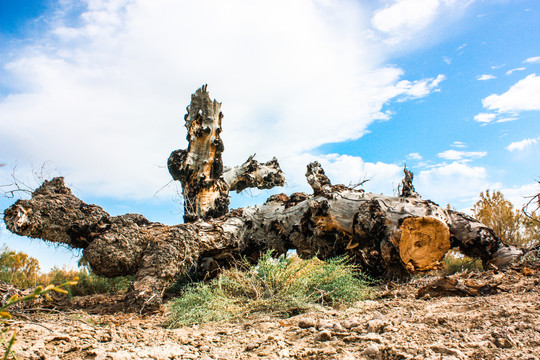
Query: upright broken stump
205	182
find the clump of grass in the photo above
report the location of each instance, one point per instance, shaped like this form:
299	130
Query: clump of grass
282	286
456	262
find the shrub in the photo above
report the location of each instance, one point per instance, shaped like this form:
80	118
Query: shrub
455	262
512	226
22	271
89	283
18	269
283	286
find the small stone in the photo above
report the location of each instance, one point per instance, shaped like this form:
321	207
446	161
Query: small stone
503	343
205	348
448	351
306	323
325	325
349	324
371	337
375	326
252	345
371	350
338	327
324	335
378	315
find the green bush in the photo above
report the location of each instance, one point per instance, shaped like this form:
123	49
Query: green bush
283	286
90	283
455	263
22	271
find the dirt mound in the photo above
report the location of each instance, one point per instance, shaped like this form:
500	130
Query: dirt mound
395	325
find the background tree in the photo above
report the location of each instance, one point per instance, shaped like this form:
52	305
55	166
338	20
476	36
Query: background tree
18	268
510	225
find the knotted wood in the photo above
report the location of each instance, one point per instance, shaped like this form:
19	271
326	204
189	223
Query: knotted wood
205	182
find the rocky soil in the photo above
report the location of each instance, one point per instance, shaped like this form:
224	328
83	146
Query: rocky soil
394	325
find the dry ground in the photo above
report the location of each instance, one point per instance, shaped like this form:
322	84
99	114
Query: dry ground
395	325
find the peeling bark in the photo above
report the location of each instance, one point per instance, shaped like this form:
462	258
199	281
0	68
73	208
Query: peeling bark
205	182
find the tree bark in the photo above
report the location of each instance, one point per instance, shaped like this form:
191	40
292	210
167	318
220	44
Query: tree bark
383	235
205	183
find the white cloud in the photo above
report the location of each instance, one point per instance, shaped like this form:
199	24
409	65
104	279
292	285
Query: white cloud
522	145
408	90
414	156
485	117
509	72
458	144
460	182
484	77
382	177
104	100
459	155
404	20
532	60
406	15
519	196
507	119
522	96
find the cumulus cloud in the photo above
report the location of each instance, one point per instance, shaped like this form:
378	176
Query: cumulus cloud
408	90
532	60
522	145
382	177
460	155
484	77
414	156
485	117
403	20
522	96
102	96
520	195
460	181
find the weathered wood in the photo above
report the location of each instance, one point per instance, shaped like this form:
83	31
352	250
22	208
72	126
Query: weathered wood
361	225
199	168
205	182
383	235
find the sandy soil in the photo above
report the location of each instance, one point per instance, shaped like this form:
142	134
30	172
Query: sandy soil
395	325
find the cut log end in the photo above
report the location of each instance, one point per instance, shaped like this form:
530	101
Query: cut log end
422	243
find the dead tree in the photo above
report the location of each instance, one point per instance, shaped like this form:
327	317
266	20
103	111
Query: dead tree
381	234
205	182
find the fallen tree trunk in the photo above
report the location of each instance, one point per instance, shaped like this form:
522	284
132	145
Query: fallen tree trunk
384	235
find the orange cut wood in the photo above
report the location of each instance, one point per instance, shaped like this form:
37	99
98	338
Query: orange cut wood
423	243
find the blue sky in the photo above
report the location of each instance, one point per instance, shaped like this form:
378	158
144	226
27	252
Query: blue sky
96	90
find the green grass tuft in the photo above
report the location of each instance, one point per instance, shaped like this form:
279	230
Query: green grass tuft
284	286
